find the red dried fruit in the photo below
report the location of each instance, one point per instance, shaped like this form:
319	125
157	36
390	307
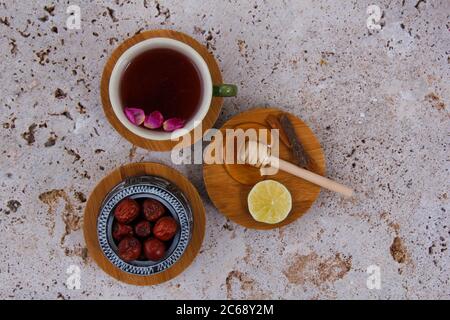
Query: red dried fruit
154	249
126	211
165	229
130	249
153	209
143	229
121	231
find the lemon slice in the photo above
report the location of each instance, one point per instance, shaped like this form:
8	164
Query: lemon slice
269	201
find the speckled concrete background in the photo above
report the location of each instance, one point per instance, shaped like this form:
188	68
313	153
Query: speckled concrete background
378	103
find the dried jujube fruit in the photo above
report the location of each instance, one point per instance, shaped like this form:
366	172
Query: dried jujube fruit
153	210
136	222
165	228
129	249
154	249
143	229
126	211
121	231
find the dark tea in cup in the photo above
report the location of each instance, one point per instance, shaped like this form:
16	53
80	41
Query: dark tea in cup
162	80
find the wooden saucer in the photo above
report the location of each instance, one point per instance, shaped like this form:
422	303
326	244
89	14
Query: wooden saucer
208	121
228	185
93	208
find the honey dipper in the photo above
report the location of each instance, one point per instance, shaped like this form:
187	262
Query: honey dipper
259	155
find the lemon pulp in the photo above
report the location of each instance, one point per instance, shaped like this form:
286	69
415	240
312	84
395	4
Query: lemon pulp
269	201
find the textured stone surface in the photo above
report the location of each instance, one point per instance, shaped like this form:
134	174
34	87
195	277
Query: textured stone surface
378	103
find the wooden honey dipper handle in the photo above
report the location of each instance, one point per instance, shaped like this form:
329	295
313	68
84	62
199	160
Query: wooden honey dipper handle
311	177
258	155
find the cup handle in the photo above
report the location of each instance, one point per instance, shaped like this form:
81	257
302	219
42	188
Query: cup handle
225	90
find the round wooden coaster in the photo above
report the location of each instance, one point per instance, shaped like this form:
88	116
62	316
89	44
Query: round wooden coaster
208	121
93	208
228	185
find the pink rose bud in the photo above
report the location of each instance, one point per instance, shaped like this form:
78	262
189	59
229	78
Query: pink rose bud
154	120
173	124
135	115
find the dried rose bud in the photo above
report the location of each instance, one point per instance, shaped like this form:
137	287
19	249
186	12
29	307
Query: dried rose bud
154	120
135	115
173	124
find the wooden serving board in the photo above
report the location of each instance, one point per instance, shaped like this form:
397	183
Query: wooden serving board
93	209
228	185
208	121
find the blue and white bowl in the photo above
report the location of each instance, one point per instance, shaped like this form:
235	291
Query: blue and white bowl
146	187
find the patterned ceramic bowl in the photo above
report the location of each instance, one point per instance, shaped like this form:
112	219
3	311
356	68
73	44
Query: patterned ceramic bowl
146	187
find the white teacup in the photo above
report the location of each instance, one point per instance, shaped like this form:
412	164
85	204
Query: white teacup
209	90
